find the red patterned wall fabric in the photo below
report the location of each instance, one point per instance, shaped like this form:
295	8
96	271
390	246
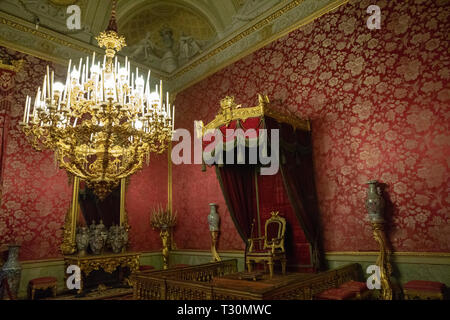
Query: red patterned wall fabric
146	190
6	90
379	104
36	194
193	190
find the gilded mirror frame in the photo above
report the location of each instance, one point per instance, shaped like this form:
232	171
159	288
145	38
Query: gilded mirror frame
68	245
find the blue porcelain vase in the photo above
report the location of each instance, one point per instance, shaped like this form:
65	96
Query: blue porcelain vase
213	218
375	202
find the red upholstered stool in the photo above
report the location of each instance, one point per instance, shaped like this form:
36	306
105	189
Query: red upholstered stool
427	290
146	267
42	284
336	294
360	288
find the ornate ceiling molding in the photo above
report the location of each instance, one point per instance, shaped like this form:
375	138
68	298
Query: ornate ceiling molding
281	19
21	35
278	22
126	10
63	2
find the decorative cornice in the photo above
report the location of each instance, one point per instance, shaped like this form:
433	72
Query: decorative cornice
63	2
42	32
233	39
298	12
258	26
55	39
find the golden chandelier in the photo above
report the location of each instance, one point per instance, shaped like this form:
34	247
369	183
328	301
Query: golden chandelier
104	122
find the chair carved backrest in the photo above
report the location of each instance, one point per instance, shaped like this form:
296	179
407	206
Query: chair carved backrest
275	228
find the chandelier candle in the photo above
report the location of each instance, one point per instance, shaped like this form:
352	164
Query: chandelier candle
104	122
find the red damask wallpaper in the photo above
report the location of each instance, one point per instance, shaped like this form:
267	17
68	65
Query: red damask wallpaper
379	105
36	194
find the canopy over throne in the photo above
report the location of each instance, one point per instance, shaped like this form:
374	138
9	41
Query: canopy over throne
251	191
270	247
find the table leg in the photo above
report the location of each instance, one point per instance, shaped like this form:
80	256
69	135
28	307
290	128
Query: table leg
82	278
121	275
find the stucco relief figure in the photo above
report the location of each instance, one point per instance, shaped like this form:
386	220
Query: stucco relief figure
163	57
189	47
169	61
145	49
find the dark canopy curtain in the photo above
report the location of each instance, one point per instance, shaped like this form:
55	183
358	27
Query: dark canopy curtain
297	170
238	187
299	185
93	209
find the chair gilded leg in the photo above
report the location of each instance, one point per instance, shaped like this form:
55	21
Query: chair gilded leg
249	265
270	263
283	266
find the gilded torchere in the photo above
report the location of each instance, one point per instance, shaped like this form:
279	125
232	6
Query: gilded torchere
104	121
165	220
375	206
165	238
383	260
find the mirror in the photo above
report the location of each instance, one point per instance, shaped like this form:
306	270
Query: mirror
94	209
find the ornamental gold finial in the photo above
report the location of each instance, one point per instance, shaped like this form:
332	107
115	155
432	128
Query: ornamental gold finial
263	99
274	213
227	105
110	38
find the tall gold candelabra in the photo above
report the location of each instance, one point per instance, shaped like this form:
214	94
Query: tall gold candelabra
165	220
214	239
375	207
383	261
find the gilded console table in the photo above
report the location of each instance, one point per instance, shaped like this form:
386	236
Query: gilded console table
108	262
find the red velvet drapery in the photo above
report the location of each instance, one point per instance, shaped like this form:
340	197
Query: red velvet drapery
297	172
291	191
238	187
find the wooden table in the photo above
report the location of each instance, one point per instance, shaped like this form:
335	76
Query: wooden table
108	262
